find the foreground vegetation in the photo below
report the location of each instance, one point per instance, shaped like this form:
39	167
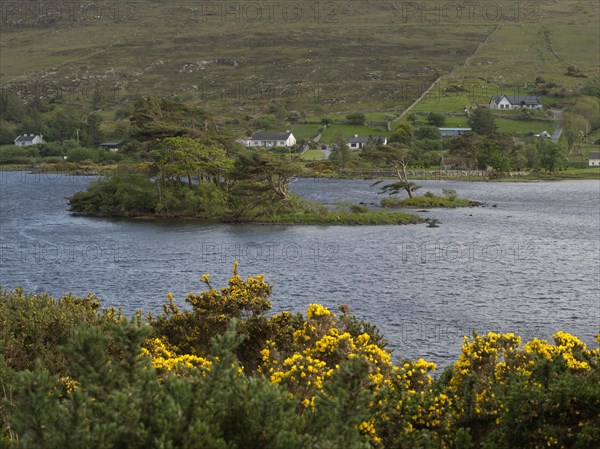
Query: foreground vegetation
223	373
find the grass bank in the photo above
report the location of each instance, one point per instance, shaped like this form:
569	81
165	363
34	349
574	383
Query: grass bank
346	218
436	201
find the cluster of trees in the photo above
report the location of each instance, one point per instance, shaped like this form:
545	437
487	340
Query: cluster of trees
483	148
224	373
56	122
55	152
503	153
191	167
581	119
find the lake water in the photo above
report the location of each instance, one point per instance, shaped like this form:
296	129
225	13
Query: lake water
530	265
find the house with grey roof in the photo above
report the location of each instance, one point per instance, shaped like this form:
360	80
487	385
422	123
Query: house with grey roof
113	147
357	142
594	159
515	102
453	132
269	139
27	140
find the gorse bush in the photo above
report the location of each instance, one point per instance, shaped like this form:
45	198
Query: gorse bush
36	326
224	373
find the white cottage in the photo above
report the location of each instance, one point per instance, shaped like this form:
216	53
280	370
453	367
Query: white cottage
27	140
515	102
271	139
357	142
594	159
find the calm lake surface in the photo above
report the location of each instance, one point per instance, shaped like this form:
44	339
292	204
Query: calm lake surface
530	265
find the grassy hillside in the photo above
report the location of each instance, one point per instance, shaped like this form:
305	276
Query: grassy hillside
338	56
322	58
562	34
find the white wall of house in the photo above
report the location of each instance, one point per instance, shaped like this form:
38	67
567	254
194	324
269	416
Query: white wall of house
36	141
505	104
290	142
594	163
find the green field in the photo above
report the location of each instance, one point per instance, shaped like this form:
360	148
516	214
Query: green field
311	155
523	127
333	132
564	34
307	132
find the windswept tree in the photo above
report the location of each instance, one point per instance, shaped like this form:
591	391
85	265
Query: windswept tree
396	158
155	119
180	157
267	172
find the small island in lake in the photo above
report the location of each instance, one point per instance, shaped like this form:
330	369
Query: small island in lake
253	188
182	165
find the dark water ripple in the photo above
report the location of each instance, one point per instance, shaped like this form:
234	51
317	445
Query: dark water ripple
530	265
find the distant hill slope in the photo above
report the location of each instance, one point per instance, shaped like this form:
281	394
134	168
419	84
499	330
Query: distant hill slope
319	56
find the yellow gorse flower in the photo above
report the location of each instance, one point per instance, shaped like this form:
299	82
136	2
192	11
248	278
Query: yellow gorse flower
166	361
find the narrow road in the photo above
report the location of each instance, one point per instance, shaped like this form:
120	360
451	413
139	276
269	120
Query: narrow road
466	64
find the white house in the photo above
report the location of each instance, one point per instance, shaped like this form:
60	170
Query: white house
271	139
357	142
26	140
515	102
452	132
594	159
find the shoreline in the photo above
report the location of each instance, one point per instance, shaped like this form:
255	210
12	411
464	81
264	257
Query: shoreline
372	218
589	173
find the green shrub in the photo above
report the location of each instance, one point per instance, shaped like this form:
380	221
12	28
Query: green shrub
358	209
434	201
449	193
82	154
391	202
35	326
73	376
